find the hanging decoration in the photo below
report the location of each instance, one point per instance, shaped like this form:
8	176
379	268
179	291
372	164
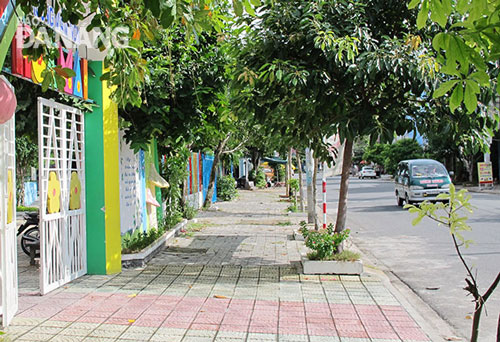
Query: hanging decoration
8	101
150	198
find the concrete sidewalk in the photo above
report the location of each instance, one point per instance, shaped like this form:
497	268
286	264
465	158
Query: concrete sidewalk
233	277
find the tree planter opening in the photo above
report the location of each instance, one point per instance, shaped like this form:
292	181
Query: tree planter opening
331	267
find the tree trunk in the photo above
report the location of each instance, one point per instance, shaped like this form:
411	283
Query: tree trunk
344	185
315	177
255	157
287	179
213	174
301	189
289	170
475	321
309	176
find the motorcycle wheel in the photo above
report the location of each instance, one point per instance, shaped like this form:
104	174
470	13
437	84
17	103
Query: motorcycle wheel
32	234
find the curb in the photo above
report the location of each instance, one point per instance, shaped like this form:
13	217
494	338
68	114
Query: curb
141	258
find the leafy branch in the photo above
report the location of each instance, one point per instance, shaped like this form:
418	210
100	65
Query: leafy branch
452	205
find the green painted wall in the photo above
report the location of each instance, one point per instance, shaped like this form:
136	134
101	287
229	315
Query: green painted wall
94	177
7	39
159	210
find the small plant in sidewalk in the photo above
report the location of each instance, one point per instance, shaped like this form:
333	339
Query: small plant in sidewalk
260	179
294	189
226	189
325	243
189	212
449	214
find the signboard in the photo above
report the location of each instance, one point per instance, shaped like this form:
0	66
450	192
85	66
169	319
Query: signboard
6	12
131	194
485	172
21	66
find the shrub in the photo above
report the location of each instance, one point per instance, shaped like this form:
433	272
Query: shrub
260	179
226	189
189	212
324	242
294	186
138	240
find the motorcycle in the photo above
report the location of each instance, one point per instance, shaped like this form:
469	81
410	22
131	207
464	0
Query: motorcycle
30	232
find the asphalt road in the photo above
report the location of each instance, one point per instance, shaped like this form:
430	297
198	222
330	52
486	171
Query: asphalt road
423	256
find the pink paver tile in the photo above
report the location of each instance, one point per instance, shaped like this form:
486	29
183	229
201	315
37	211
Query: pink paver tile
321	332
119	321
383	335
211	327
292	331
233	327
352	333
317	320
180	325
92	319
411	334
262	329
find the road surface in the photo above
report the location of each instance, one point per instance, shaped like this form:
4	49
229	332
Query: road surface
423	256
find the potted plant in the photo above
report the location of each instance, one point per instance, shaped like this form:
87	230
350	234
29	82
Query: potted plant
324	257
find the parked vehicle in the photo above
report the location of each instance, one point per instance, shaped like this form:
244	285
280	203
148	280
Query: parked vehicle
30	231
418	180
367	172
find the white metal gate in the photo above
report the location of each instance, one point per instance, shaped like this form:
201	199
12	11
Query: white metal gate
8	239
63	244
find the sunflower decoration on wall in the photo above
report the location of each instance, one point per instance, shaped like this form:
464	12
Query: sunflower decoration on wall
54	194
75	188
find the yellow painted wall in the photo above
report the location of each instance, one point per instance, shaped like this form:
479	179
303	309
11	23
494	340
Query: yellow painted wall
111	182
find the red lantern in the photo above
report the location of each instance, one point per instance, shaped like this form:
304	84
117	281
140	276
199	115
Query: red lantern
8	100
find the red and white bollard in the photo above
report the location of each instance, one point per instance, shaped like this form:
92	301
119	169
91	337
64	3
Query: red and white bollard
324	195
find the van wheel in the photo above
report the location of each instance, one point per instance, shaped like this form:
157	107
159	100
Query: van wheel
407	199
399	200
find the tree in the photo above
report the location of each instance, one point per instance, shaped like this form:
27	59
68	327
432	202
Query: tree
319	68
467	47
140	19
402	149
376	153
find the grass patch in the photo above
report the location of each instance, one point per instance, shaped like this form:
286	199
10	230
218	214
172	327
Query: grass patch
192	228
346	255
23	208
284	223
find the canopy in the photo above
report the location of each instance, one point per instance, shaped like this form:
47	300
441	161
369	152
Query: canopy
274	160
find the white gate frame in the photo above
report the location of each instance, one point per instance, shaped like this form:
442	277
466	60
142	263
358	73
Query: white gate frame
63	243
8	236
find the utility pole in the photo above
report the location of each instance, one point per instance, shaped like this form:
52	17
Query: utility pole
309	181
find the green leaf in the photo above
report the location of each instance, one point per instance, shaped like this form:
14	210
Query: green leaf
414	3
470	98
444	88
437	13
153	6
423	14
456	97
46	82
256	3
238	7
249	8
481	77
167	18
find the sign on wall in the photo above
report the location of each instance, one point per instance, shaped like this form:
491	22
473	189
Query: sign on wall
130	188
21	66
485	172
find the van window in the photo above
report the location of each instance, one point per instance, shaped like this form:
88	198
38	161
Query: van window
428	170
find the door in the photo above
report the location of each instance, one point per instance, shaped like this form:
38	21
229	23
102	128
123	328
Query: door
63	244
8	239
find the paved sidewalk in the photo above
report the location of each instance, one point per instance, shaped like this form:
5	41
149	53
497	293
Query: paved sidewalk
235	279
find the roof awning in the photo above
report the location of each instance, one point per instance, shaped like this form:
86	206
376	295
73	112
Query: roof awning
274	160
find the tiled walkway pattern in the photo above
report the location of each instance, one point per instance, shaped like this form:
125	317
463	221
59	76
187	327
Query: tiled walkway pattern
236	280
225	303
